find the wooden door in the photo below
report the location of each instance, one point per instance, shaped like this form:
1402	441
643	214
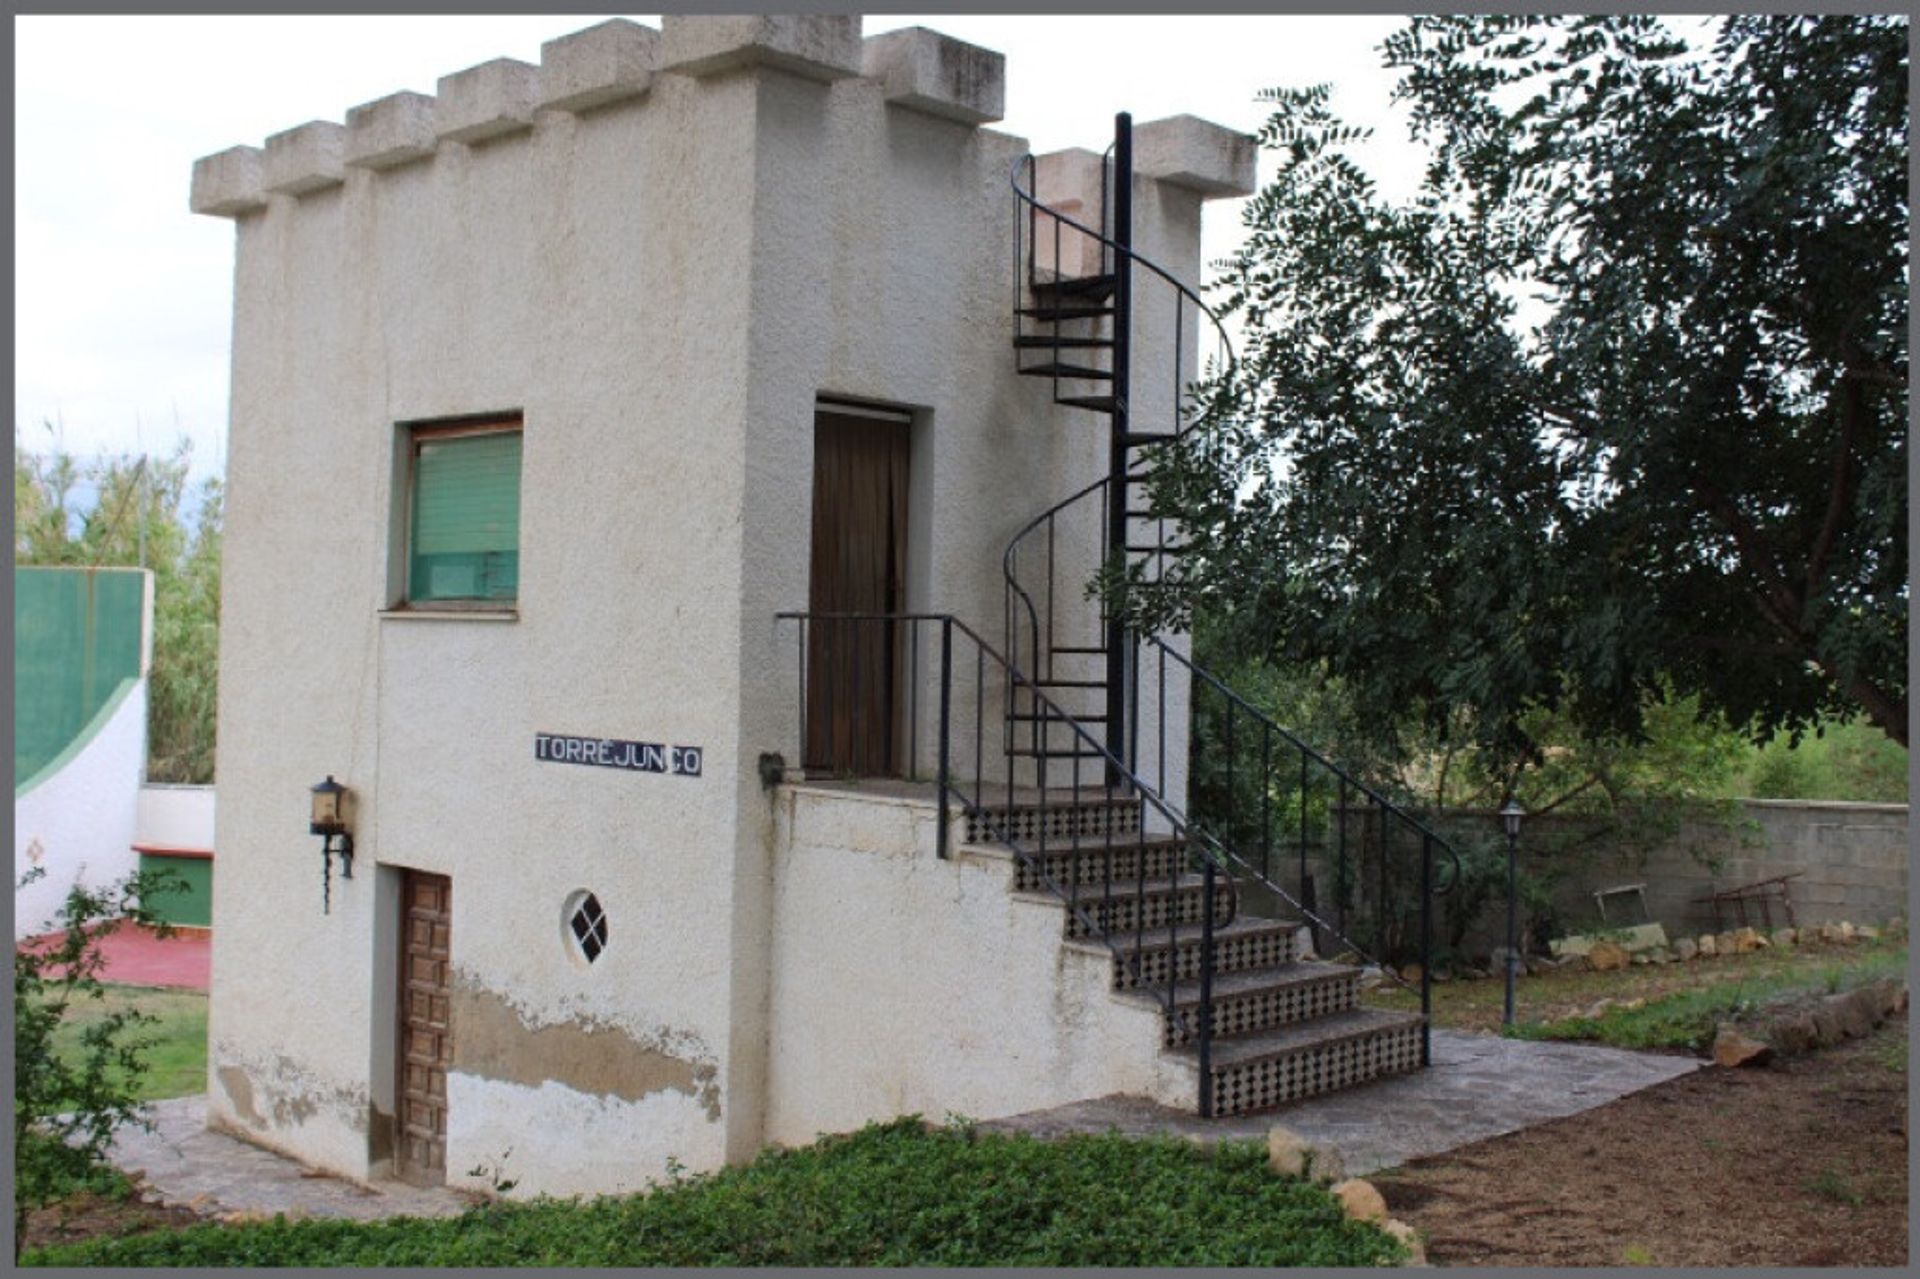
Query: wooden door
426	1033
860	476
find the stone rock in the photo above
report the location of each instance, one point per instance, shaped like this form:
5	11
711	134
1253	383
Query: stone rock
1794	1034
1411	973
1852	1014
1732	1048
1725	944
1686	949
1884	995
1707	946
1827	1028
1371	976
1867	932
1628	1005
1641	960
1291	1155
1608	957
1662	956
1747	940
1537	964
1410	1238
1784	936
1361	1200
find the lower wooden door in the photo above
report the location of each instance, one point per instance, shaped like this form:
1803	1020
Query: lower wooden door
426	1033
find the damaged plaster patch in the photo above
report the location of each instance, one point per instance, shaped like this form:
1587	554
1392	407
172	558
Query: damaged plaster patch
494	1040
284	1094
240	1092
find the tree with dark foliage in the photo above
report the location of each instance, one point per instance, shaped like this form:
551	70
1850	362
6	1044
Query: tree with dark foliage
1613	410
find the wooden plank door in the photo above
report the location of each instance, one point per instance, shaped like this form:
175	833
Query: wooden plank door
859	563
426	1033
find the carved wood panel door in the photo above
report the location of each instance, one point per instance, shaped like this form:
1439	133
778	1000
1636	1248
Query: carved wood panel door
426	1033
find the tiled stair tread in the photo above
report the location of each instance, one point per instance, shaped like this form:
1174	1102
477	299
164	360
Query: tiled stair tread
1185	934
1255	980
1355	1023
1095	892
1120	842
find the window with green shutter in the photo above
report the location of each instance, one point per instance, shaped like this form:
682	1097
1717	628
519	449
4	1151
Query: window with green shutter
464	540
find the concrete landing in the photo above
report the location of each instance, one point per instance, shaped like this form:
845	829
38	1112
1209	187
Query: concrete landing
1479	1086
213	1173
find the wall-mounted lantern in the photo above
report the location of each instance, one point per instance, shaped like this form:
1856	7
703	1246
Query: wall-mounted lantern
329	821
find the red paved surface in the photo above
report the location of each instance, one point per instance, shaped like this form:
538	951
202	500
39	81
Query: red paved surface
135	957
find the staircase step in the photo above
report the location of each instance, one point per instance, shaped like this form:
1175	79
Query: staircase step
1097	286
1056	368
1273	1067
1098	403
1242	945
1059	819
1120	909
1065	311
1054	717
1093	861
1064	342
1246	1003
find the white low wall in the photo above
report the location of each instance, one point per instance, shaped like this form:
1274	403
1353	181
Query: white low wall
174	816
906	984
77	824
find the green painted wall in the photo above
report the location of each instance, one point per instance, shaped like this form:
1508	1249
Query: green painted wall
194	907
76	638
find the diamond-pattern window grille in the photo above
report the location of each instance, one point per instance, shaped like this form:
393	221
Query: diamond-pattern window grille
589	926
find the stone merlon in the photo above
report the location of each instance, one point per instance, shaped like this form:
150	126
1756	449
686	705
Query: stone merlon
487	101
601	64
817	46
228	183
1186	151
391	131
306	159
937	74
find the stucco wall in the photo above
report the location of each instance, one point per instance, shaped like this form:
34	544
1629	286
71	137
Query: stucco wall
903	983
663	287
77	823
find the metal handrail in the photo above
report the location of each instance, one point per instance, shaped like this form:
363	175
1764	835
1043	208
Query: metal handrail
1267	722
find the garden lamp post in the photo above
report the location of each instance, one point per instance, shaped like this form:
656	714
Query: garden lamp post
1510	816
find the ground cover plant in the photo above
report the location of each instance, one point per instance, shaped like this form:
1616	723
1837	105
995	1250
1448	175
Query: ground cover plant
1687	1018
894	1194
1563	995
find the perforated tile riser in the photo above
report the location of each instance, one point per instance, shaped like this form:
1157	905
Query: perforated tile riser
1320	1068
1230	955
1091	866
1263	1010
1124	914
1025	825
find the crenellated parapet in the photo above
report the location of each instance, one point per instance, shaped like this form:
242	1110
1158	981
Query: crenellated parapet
617	61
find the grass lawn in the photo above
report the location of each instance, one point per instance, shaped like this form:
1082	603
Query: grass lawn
893	1194
177	1062
1684	1000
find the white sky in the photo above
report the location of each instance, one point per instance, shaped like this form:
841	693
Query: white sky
122	299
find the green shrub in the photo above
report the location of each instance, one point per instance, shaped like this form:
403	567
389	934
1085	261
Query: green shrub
892	1194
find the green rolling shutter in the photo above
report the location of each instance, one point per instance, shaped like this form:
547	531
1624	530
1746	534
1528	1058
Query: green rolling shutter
466	518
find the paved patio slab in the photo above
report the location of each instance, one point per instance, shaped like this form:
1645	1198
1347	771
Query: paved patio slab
1479	1086
185	1164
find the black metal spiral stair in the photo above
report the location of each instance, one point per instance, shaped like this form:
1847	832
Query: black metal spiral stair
1266	1024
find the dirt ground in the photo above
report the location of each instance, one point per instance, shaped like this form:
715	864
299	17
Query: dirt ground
1802	1163
86	1215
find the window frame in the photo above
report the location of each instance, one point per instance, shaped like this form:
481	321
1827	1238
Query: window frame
408	438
